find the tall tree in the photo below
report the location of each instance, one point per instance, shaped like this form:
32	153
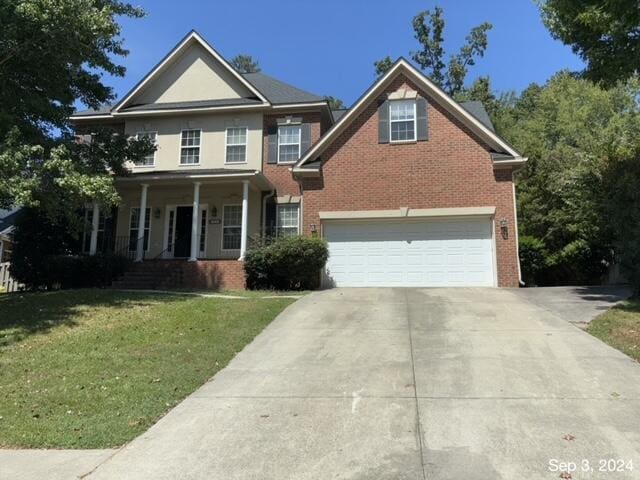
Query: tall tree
579	191
428	30
496	105
606	34
334	103
245	64
52	53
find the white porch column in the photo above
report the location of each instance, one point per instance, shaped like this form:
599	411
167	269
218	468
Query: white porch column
245	218
141	222
95	223
194	222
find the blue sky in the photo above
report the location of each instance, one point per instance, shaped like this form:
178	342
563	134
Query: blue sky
328	47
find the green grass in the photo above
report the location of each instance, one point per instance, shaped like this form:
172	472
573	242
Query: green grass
620	327
95	368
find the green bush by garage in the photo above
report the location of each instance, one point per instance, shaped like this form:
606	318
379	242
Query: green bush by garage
293	263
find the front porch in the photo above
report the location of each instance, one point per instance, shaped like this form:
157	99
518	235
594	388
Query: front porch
155	223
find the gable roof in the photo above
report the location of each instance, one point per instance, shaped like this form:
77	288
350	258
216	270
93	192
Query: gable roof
190	38
267	90
482	130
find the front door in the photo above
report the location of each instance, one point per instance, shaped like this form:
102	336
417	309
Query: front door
182	242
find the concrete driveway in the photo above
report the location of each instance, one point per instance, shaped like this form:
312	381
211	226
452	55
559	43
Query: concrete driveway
402	384
386	384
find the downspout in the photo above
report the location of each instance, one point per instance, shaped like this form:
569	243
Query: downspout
515	219
264	210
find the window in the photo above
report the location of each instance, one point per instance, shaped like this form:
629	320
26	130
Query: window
172	214
88	227
289	143
287	220
402	120
203	231
149	160
133	228
190	147
231	227
236	145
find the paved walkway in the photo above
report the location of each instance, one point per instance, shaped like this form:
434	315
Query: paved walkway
389	384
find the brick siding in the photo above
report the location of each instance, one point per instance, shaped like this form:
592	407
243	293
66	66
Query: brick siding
214	274
280	175
452	169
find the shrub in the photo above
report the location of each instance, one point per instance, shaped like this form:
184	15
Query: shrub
42	255
287	264
71	271
533	258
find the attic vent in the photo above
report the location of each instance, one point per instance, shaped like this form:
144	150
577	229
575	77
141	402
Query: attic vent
402	94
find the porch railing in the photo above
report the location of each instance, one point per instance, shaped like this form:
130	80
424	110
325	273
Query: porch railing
171	247
7	282
124	246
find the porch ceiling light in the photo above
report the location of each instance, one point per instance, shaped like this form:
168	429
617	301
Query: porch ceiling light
157	212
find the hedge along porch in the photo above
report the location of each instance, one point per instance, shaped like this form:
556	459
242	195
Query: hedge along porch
229	212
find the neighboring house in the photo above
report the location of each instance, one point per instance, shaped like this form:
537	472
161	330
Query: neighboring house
407	186
7	219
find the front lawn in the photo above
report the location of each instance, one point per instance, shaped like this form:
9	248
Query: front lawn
95	368
620	327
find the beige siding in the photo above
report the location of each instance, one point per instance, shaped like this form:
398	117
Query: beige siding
194	75
213	139
158	197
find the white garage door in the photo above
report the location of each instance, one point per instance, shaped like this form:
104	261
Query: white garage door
438	253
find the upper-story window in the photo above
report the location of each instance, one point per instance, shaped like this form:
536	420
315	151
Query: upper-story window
236	145
289	138
402	120
190	147
149	160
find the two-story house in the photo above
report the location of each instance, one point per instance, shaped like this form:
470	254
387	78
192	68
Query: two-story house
407	186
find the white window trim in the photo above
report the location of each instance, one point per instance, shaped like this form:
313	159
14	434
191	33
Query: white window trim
246	146
280	205
154	152
203	214
180	148
289	162
131	209
222	227
415	123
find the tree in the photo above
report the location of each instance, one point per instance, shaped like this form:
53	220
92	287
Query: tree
606	35
428	29
334	103
480	90
53	54
245	64
60	179
383	65
579	191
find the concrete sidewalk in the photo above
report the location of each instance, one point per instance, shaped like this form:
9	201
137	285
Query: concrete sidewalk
50	464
